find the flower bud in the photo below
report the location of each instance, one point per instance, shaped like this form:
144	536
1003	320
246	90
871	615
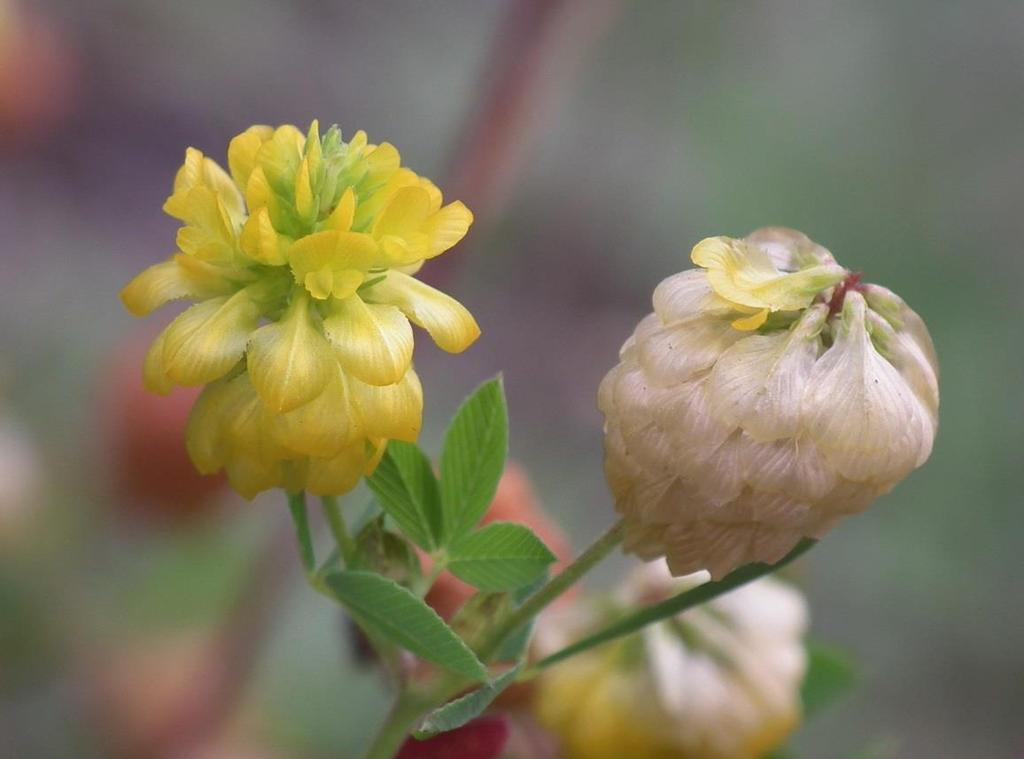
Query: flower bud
770	394
720	681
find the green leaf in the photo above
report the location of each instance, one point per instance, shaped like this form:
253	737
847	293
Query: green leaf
389	610
499	556
473	458
830	673
457	713
405	485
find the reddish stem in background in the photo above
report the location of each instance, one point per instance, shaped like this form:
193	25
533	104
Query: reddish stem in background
540	48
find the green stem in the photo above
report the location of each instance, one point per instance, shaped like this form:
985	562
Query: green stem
555	587
410	707
396	728
670	608
339	529
297	504
347	547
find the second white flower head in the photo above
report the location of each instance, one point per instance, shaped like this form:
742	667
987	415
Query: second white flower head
769	394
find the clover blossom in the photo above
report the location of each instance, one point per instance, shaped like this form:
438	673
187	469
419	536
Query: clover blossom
720	681
300	262
770	394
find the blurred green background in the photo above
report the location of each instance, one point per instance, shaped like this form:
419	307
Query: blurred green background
618	134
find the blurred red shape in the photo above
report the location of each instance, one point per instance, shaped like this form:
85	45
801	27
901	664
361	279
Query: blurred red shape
483	738
151	474
38	73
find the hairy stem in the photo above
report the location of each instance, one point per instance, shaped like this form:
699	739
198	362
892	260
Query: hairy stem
400	722
297	504
670	608
555	587
339	529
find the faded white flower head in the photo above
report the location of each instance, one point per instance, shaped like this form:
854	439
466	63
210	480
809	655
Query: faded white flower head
770	394
720	681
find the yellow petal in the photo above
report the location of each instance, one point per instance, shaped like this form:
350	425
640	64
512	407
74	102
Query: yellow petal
358	143
339	250
222	185
752	322
178	277
341	217
390	411
744	274
381	163
405	214
325	425
405	251
201	172
319	283
260	240
259	194
313	148
433	192
446	227
346	254
208	339
289	361
254	461
370	205
242	152
189	175
279	157
373	341
199	207
377	449
204	435
447	321
337	475
154	371
304	193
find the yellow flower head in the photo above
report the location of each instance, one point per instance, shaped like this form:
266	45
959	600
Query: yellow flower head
299	261
770	394
720	681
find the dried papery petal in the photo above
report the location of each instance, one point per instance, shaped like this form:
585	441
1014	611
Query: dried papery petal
729	436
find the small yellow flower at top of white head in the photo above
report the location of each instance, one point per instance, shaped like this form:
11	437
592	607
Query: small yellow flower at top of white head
300	260
766	397
742	272
721	681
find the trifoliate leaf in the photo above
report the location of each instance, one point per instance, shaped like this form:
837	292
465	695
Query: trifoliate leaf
500	556
405	485
473	458
389	610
